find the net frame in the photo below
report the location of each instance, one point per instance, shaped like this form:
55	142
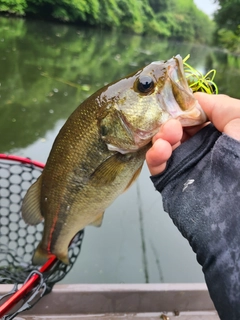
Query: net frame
18	240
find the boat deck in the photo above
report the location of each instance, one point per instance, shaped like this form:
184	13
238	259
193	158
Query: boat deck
143	316
123	301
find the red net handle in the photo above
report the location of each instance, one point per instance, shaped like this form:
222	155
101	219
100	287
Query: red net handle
26	288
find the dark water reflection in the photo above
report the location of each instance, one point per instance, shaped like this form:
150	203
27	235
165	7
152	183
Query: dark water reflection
46	70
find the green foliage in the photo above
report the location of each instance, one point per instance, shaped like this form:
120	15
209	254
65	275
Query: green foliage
64	10
109	13
13	6
227	16
229	39
186	22
228	25
178	19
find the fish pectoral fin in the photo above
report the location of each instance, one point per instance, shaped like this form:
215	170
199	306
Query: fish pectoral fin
107	171
31	212
134	178
98	221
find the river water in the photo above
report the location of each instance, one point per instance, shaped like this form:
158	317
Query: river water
46	70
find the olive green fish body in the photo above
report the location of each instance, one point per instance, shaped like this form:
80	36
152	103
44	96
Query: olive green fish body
100	150
75	155
85	205
81	179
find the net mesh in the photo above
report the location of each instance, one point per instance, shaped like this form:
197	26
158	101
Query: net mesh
17	239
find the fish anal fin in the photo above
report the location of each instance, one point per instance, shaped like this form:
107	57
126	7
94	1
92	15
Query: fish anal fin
31	212
134	178
98	221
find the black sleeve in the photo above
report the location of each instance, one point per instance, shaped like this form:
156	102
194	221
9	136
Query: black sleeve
201	193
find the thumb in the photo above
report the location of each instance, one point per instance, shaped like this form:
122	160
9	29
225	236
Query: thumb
223	111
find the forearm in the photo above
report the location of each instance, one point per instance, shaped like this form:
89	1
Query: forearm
201	193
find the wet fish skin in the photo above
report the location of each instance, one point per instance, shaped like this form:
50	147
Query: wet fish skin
100	150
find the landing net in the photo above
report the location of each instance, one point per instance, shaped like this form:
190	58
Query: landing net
19	240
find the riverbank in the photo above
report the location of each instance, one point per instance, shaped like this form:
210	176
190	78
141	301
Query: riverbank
180	19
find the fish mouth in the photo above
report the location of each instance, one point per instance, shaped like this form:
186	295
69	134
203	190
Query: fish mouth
175	72
177	84
177	97
178	79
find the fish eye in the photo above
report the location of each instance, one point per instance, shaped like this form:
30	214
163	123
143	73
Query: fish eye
145	84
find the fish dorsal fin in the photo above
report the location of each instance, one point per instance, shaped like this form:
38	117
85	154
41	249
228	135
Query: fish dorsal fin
134	178
31	212
107	171
98	221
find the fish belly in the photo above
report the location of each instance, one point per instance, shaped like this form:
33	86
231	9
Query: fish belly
84	203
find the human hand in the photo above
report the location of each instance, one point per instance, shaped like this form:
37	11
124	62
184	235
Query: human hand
223	111
200	192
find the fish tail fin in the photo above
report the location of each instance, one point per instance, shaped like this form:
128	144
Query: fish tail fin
31	212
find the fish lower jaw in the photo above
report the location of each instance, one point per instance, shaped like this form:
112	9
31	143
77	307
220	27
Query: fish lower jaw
192	117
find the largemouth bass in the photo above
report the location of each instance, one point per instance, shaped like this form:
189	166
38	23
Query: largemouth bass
100	150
